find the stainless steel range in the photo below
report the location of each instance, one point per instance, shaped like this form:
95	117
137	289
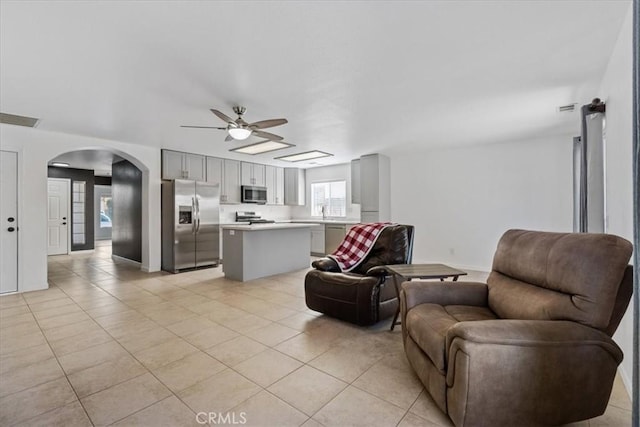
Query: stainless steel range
252	218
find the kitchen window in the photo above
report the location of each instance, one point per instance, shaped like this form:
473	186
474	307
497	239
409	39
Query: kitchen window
330	195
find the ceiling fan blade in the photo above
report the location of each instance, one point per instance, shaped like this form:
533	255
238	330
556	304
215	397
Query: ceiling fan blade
228	138
203	127
263	124
267	135
223	116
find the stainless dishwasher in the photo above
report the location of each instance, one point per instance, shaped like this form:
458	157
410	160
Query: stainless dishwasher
333	236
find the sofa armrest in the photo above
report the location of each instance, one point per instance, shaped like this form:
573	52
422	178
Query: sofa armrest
347	296
527	333
326	264
378	271
443	293
547	372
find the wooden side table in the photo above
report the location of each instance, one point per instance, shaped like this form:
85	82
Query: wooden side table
419	271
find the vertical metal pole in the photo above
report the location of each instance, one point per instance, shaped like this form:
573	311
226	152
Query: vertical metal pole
636	213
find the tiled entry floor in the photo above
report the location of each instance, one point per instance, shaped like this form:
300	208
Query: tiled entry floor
107	344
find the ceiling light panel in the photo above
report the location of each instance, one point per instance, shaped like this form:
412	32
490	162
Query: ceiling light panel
262	147
307	155
12	119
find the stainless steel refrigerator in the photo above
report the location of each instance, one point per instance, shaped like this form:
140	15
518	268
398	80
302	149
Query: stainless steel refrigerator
190	225
589	171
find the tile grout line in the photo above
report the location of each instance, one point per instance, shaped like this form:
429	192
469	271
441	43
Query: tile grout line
240	334
135	358
153	374
61	368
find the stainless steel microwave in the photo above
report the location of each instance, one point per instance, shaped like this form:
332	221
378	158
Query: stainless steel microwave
253	194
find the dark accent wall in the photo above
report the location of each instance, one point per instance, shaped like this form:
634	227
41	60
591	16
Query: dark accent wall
103	180
126	191
79	175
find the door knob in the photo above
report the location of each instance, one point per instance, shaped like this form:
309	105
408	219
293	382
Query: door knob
11	229
11	219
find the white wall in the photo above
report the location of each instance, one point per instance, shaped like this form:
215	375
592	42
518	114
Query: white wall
616	90
35	148
324	174
462	200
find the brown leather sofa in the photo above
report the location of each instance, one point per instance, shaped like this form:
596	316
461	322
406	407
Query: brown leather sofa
533	345
362	295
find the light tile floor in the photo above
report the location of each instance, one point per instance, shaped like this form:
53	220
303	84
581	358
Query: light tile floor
108	344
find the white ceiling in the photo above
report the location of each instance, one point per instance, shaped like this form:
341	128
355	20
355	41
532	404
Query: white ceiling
100	161
351	77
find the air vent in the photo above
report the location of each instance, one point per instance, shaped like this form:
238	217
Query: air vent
11	119
567	108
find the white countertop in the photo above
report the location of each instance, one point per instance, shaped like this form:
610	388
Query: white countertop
326	221
262	227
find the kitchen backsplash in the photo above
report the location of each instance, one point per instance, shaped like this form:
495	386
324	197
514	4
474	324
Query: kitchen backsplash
228	212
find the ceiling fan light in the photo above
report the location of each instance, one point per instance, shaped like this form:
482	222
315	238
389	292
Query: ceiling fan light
239	133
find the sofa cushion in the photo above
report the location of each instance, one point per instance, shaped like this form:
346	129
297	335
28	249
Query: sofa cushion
427	324
557	276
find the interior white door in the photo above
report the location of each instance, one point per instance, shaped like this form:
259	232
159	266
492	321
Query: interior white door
58	215
9	218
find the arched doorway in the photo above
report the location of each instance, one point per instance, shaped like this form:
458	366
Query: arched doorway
106	202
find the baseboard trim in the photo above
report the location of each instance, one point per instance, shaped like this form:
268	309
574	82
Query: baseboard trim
126	260
84	251
626	380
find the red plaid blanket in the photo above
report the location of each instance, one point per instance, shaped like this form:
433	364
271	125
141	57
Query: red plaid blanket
357	244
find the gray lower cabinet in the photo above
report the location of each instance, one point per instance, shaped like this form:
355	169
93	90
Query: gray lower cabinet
317	240
333	236
227	173
179	165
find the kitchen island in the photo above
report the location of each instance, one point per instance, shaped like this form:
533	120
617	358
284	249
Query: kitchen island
260	250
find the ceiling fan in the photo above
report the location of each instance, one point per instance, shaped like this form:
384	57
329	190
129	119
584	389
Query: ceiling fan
240	129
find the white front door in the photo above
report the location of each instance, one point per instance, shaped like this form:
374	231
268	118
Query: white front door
9	221
58	216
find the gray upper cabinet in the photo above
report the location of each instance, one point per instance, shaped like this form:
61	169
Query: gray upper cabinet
227	173
370	178
355	181
231	181
279	186
178	165
275	185
253	174
196	168
375	190
215	169
172	165
294	186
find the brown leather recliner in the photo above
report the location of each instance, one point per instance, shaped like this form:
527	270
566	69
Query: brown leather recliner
533	345
360	296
